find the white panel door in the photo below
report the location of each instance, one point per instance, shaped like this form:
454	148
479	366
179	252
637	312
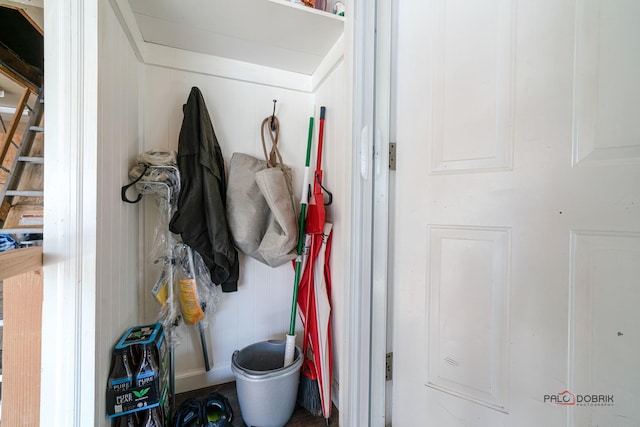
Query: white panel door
517	213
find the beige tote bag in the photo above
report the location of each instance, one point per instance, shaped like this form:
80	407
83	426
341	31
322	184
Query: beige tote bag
261	211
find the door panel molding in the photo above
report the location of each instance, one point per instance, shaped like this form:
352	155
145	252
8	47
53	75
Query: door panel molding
468	313
472	102
602	320
606	88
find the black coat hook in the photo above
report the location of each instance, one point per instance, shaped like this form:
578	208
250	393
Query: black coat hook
273	115
329	193
123	190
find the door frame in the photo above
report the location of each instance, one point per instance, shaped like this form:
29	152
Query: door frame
367	299
69	279
382	240
355	391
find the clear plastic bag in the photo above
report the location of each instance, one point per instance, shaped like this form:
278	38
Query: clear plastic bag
196	293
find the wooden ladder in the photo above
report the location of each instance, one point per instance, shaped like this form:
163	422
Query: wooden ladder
16	216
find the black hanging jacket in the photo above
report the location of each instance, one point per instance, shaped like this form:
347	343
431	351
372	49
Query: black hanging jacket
201	215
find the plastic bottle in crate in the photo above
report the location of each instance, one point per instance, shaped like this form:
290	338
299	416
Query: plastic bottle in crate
151	418
120	378
147	370
124	421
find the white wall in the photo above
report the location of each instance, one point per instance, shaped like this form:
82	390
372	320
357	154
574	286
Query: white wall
260	309
117	223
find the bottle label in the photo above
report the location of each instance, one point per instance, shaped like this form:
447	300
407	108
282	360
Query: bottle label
144	379
121	384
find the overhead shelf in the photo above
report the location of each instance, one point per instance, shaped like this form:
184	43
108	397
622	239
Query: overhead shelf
271	33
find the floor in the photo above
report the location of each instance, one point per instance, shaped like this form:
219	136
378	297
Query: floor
300	418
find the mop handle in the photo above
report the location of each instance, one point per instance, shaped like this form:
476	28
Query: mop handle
290	339
294	303
320	139
303	213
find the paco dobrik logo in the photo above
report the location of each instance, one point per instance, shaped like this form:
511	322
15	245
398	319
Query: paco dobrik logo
567	398
564	398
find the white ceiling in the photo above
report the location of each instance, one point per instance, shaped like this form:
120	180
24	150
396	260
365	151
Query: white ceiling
273	33
251	31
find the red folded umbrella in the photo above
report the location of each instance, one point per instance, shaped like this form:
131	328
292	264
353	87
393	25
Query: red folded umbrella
314	301
316	213
314	298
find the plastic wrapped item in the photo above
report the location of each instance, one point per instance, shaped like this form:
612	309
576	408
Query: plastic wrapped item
153	173
196	293
163	240
7	243
182	288
164	182
159	179
158	157
163	292
156	172
192	310
203	280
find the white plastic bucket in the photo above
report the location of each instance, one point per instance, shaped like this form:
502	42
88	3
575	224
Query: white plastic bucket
266	389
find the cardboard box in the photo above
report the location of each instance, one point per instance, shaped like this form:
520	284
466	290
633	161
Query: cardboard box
146	391
25	216
138	418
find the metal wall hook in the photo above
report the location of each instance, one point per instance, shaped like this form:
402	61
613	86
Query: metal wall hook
329	193
273	115
123	190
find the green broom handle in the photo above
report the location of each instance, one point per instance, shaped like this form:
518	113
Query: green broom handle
303	214
294	303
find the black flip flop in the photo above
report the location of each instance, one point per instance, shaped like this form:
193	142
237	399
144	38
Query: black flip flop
217	411
189	414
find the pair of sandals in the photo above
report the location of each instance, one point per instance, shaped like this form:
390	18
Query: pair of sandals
214	411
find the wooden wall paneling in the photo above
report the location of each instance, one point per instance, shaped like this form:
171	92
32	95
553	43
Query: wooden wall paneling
22	330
